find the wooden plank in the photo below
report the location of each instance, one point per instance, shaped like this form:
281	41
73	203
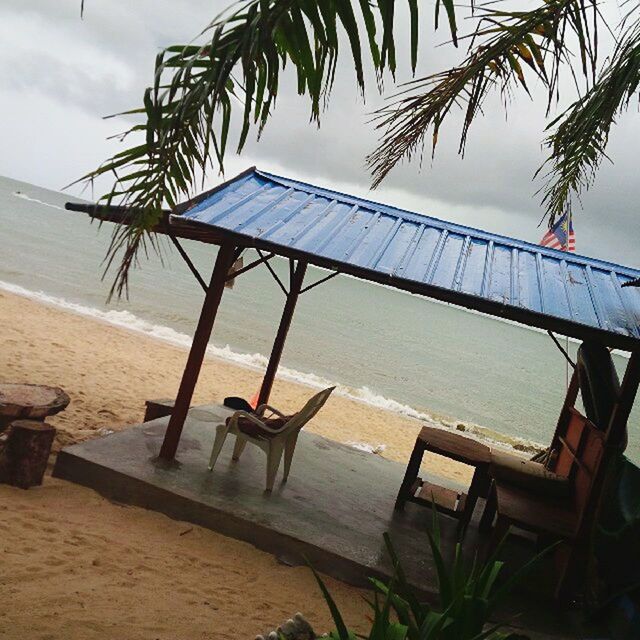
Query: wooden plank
537	513
444	498
455	446
197	352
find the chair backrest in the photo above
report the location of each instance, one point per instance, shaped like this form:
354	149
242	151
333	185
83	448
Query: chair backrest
580	451
312	406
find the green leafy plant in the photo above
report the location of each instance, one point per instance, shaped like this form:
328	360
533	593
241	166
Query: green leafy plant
468	597
382	628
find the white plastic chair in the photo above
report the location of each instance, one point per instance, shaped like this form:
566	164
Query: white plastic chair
284	440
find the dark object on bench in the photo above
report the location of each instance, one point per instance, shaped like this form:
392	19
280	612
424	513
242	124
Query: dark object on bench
24	452
452	445
238	404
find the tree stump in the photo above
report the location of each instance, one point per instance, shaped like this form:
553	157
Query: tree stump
29	401
27	446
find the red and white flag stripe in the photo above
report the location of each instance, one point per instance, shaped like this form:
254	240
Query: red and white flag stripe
550	240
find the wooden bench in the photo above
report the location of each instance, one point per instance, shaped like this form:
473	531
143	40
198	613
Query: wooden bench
580	450
157	409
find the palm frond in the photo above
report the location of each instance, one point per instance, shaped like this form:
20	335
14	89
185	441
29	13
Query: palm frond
504	45
238	58
580	136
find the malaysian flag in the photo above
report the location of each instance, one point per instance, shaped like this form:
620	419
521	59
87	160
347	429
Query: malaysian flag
561	235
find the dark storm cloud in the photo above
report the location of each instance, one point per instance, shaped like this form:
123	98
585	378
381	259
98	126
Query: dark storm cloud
61	75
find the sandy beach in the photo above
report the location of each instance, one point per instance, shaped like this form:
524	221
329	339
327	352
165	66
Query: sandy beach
78	566
75	567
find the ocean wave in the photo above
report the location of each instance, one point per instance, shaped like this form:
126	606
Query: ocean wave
24	196
126	320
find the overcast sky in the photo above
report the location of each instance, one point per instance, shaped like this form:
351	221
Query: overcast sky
60	75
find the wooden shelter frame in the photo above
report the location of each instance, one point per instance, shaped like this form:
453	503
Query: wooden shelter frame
221	274
232	245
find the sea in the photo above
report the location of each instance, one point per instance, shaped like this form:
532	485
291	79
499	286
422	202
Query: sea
406	355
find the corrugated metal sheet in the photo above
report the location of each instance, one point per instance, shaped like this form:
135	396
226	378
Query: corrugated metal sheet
493	273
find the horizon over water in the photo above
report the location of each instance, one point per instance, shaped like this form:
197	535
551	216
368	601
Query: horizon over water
403	353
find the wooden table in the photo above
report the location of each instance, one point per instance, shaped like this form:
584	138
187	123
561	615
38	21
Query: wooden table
29	402
456	447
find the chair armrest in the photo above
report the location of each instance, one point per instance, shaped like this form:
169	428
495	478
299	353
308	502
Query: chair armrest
263	407
270	430
249	416
252	418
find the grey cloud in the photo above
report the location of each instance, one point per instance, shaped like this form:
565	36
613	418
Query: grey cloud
74	72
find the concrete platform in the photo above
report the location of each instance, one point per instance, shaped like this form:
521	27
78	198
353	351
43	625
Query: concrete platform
333	511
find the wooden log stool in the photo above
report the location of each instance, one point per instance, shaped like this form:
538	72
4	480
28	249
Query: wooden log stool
24	456
457	447
25	439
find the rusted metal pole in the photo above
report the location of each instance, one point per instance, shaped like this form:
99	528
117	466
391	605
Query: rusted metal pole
285	322
197	352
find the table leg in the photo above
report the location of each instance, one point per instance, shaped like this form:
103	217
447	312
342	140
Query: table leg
489	513
478	484
413	468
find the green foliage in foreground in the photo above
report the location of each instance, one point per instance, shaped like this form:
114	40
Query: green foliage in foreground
468	597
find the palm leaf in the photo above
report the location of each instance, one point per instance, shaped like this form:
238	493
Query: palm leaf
238	58
341	628
578	143
232	71
491	64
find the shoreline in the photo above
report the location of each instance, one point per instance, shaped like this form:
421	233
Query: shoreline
256	363
109	371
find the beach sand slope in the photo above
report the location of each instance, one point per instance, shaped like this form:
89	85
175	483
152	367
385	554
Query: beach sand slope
76	566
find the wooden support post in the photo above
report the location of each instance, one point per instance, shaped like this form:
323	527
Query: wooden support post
565	413
618	423
295	286
197	352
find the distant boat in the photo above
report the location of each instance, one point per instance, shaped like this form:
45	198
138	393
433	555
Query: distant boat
24	196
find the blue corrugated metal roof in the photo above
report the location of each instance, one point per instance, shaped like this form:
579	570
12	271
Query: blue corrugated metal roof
476	269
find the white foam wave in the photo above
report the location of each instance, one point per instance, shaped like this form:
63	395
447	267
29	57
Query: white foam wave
376	449
24	196
365	395
256	361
